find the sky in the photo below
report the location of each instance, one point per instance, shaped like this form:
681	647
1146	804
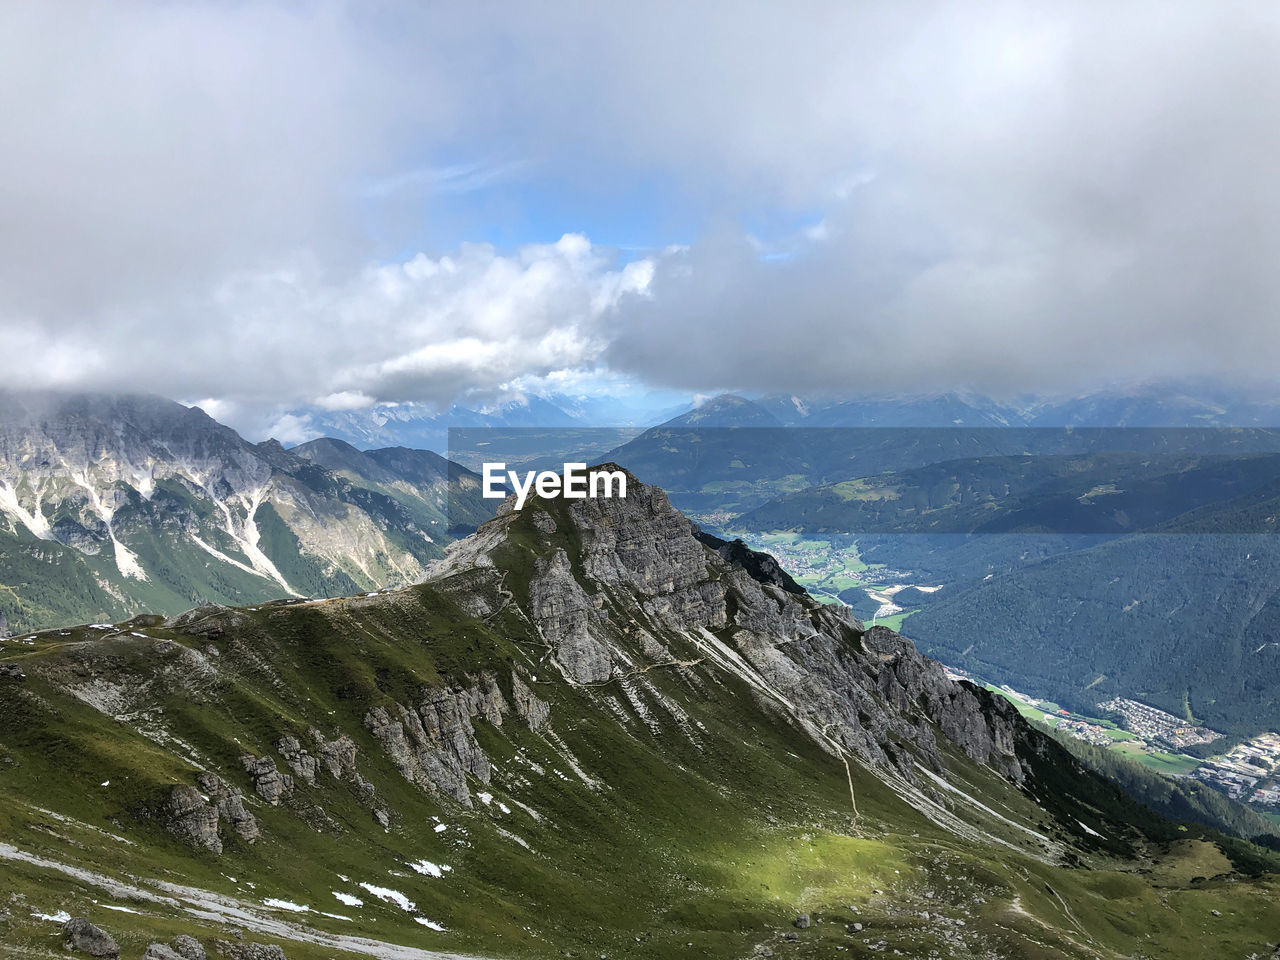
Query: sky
274	207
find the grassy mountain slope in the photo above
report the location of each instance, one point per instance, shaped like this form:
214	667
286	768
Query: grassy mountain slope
684	802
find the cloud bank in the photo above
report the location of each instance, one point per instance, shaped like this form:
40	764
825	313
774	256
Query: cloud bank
280	204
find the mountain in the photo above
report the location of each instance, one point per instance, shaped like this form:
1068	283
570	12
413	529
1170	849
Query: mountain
731	455
114	504
1186	622
1160	404
1103	493
724	455
588	733
1082	578
928	410
1153	404
429	487
726	410
424	427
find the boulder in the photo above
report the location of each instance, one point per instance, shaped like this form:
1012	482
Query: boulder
82	936
189	948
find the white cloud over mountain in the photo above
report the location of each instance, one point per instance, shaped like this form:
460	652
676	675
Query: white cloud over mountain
226	200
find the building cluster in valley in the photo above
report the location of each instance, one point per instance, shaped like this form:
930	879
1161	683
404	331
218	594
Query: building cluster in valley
1151	723
1093	733
1248	772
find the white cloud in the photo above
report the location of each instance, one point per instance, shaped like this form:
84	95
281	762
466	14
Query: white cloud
999	192
424	330
344	400
291	429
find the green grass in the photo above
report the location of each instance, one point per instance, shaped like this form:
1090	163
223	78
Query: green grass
708	832
894	622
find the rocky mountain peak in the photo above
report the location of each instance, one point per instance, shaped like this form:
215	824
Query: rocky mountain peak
617	587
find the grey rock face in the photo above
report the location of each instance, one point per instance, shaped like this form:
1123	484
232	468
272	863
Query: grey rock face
566	615
11	671
158	951
533	711
82	470
194	820
435	745
189	948
249	951
268	782
303	765
82	936
229	806
338	756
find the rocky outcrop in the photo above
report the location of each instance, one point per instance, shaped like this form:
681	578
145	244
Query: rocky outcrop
190	818
303	765
268	782
81	936
536	713
194	816
759	566
249	951
158	951
189	948
864	692
338	756
434	745
230	807
11	671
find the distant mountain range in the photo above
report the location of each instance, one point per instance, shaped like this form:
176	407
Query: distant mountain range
114	504
423	427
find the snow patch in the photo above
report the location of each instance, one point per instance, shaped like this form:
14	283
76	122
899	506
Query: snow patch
347	899
287	905
429	869
391	896
33	520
